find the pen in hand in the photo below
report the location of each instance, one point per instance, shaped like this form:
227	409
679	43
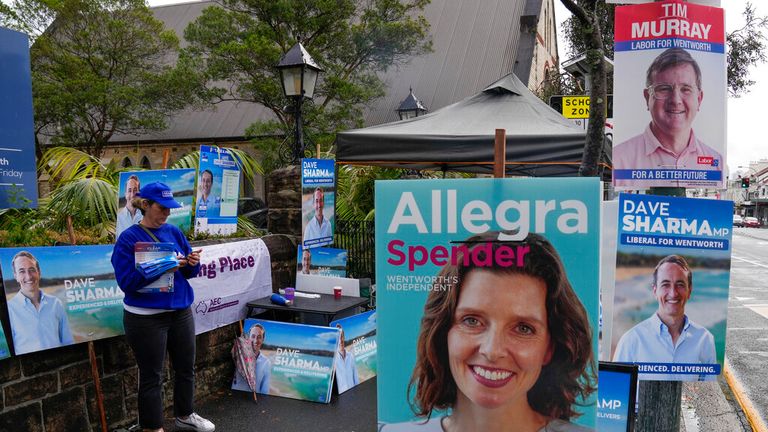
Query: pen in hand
192	259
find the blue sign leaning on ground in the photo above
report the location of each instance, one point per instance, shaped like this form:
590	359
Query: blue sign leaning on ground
18	176
357	362
288	360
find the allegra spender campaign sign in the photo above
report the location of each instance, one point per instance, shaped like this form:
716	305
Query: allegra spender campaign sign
425	231
670	96
672	279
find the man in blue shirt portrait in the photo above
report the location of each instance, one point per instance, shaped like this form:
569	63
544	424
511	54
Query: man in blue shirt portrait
128	215
38	320
319	227
263	371
207	205
262	367
344	362
669	336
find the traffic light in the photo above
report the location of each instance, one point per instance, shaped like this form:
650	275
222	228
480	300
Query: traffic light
745	182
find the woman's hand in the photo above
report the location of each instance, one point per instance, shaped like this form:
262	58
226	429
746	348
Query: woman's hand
192	259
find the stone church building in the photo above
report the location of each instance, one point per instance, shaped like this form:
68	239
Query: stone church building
475	42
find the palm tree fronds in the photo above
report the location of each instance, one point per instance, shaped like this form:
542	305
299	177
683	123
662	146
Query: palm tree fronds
64	164
91	202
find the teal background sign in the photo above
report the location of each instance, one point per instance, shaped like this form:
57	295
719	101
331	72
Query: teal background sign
439	213
18	176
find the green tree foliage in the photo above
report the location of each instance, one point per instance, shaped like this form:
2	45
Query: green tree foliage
240	42
746	48
85	187
7	15
100	68
588	14
574	29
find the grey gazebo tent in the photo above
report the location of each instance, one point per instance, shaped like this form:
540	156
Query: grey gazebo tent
460	137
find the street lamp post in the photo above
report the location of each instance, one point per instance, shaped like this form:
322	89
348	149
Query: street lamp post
410	107
298	73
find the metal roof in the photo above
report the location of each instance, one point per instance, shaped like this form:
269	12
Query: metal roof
474	42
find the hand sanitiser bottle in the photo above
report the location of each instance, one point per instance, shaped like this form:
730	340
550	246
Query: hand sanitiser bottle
280	300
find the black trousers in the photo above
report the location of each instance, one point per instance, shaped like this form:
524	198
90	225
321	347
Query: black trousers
149	337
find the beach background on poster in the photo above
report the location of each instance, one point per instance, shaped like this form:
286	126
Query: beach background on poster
318	173
400	311
324	261
301	358
83	279
360	338
708	304
5	352
181	182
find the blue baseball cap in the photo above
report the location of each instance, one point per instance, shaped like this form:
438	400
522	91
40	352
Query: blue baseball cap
160	193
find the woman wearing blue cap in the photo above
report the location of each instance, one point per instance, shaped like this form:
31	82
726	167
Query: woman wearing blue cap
157	319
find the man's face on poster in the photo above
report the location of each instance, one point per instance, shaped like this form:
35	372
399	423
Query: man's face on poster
306	261
131	188
342	341
319	203
674	99
206	182
671	290
257	339
27	274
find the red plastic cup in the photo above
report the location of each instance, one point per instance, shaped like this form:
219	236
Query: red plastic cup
337	292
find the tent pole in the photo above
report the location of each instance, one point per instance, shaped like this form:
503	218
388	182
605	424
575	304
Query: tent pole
500	153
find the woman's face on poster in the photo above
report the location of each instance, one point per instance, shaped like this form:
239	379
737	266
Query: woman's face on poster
499	340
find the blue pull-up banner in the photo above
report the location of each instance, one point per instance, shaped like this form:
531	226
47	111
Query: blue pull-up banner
18	176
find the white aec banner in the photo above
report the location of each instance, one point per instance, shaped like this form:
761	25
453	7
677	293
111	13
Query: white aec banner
231	275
